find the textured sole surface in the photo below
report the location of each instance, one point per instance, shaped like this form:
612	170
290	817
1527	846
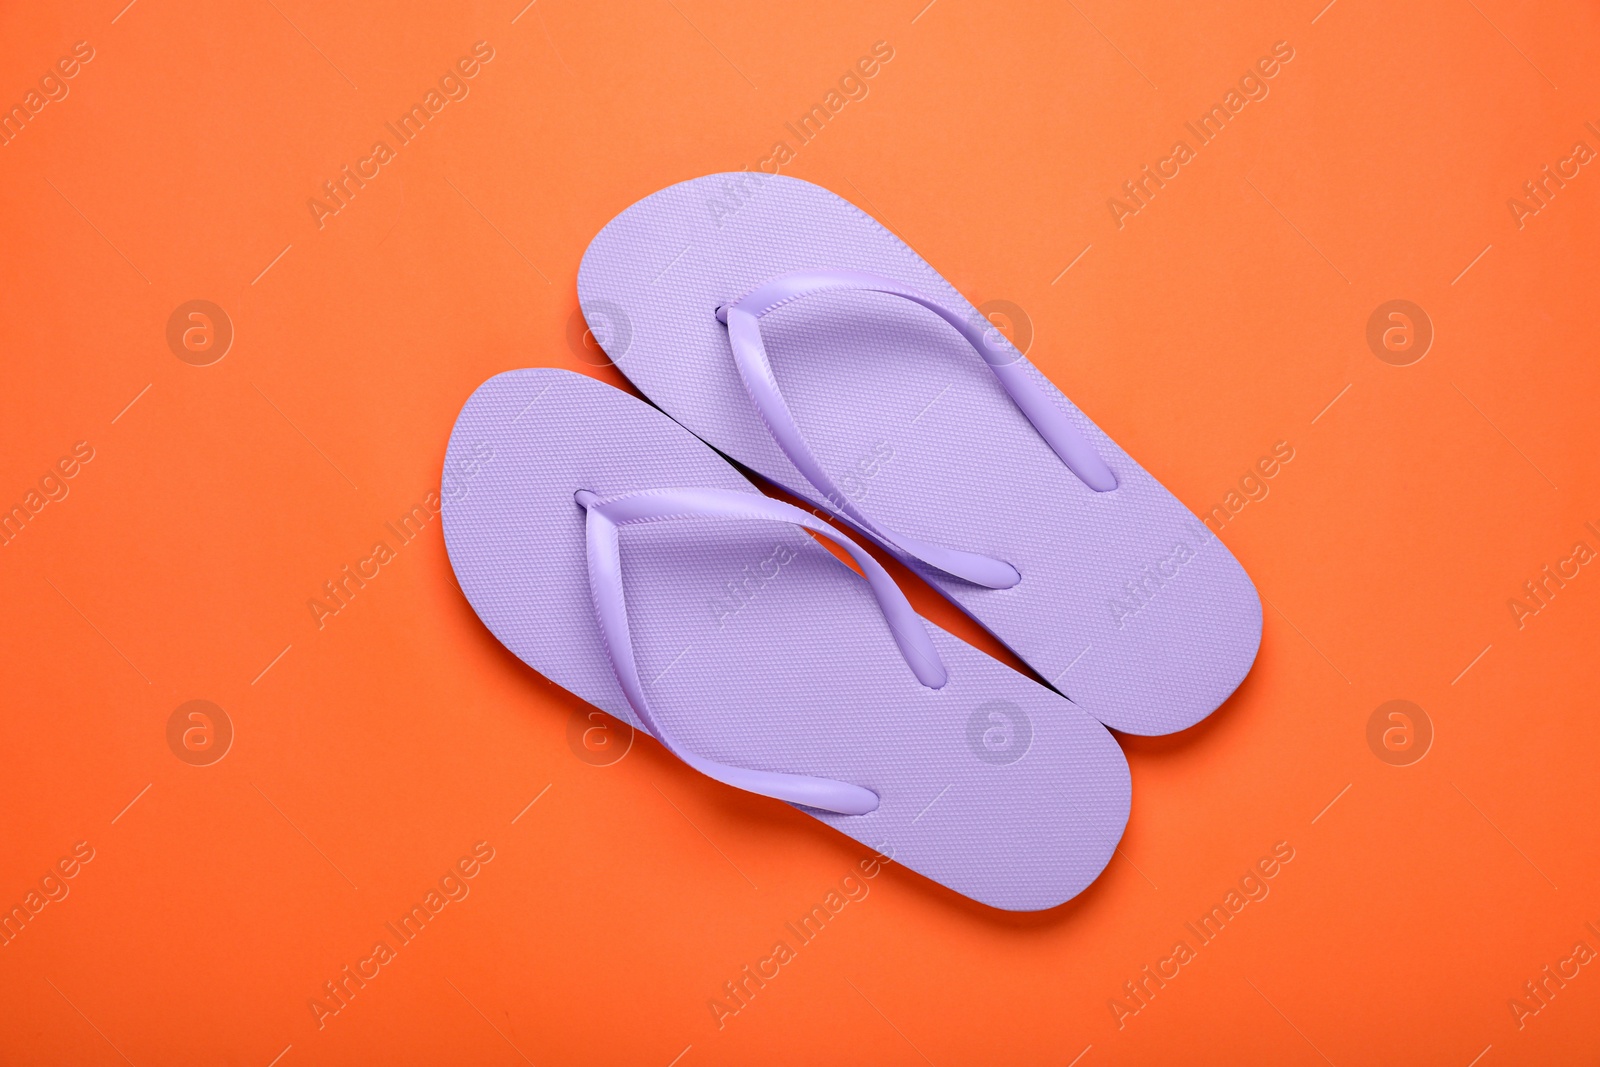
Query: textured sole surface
1128	603
759	648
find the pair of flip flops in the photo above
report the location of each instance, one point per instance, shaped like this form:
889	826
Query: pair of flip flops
610	546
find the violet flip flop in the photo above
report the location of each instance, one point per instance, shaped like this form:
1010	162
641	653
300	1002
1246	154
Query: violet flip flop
789	330
620	557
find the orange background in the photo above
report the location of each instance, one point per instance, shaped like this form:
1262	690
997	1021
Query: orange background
371	754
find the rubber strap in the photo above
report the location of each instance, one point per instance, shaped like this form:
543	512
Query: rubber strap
603	520
750	355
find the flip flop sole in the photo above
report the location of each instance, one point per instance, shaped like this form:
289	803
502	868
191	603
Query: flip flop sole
1128	603
758	648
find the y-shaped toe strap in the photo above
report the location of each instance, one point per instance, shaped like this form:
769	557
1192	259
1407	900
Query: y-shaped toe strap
744	337
605	586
